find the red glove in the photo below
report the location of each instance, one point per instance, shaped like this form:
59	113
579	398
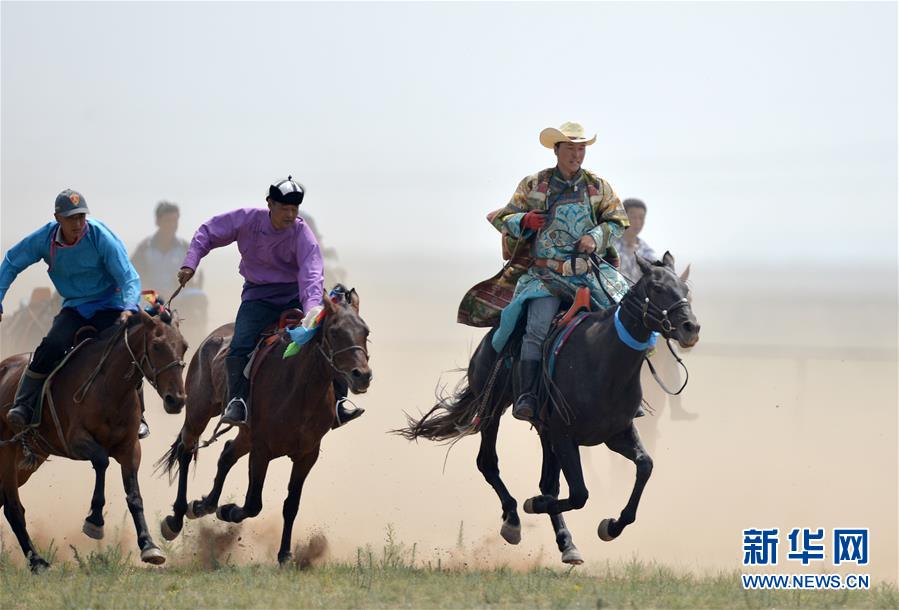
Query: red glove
533	220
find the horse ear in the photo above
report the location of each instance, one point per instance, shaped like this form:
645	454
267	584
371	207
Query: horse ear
645	265
686	274
329	305
668	260
353	299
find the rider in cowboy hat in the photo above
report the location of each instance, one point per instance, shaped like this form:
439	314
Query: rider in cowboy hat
90	269
560	216
282	267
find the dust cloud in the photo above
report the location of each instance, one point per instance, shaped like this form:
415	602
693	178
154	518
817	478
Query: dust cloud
793	382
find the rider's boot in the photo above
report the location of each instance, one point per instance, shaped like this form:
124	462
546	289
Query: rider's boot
24	406
144	430
344	414
236	410
525	383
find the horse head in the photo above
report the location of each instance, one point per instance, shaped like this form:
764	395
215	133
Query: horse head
666	301
344	338
163	358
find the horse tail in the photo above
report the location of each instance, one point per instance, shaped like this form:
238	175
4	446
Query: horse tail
452	417
462	413
170	459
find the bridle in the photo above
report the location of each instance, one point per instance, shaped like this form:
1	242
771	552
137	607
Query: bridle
145	359
331	353
651	315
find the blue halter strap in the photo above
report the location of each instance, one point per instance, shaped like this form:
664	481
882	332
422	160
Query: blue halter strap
628	340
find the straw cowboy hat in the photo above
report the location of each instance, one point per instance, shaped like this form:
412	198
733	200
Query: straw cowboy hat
567	132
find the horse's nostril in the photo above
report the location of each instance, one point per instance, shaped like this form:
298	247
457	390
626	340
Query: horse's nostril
174	401
360	375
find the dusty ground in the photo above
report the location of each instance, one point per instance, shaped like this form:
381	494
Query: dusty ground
794	385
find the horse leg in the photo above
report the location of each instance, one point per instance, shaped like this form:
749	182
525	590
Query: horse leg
172	524
253	503
130	462
488	464
298	474
549	486
568	454
628	444
233	451
93	523
15	512
185	447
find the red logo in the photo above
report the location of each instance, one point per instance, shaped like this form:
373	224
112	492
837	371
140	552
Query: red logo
75	199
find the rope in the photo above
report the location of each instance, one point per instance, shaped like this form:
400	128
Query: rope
56	423
216	434
659	380
82	391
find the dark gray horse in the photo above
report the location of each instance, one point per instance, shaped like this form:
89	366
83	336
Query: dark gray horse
595	393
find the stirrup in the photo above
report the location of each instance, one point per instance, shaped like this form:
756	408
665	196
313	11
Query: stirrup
233	403
143	431
348	415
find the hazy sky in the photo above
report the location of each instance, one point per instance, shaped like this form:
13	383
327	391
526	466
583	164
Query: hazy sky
754	131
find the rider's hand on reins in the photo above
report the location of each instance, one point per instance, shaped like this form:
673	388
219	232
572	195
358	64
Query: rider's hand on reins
184	275
586	244
123	317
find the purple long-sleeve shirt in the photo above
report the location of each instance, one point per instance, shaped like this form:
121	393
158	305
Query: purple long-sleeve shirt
268	256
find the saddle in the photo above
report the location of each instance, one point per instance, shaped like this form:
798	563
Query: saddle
268	339
562	327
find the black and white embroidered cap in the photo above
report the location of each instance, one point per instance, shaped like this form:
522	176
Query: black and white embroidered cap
287	191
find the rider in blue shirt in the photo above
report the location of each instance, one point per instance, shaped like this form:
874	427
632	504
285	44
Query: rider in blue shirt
89	266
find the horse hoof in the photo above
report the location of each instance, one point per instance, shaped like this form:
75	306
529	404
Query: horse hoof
193	510
92	531
572	556
38	565
168	532
510	533
284	559
152	555
529	506
226	512
603	530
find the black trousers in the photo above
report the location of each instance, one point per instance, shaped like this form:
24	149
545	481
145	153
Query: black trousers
58	341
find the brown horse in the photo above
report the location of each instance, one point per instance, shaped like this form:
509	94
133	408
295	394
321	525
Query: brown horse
292	406
92	412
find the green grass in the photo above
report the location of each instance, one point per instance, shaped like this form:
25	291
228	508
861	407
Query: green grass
390	577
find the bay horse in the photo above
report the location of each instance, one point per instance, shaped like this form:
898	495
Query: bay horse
292	407
92	412
595	394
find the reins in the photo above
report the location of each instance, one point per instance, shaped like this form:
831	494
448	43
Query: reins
331	354
649	313
82	391
138	364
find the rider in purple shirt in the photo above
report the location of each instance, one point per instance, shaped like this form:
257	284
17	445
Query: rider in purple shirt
282	266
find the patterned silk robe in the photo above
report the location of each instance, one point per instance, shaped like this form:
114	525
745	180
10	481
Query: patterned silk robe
584	205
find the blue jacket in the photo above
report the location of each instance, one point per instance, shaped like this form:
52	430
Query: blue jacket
92	274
